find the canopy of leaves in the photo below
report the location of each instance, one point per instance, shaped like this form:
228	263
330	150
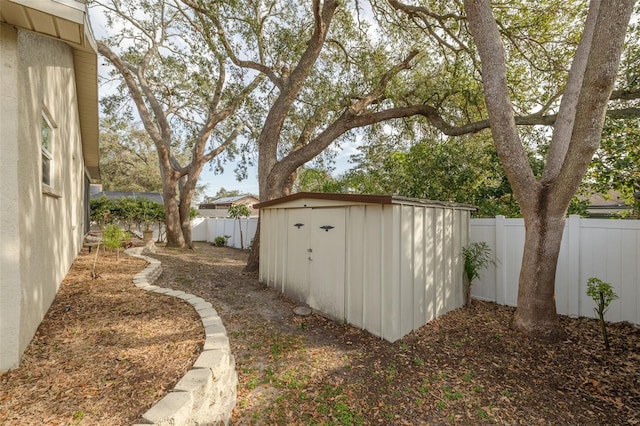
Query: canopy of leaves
126	211
239	210
128	160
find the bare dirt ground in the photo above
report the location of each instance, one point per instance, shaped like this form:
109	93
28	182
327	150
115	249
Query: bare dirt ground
466	367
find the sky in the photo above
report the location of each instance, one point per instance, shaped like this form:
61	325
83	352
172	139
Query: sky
214	182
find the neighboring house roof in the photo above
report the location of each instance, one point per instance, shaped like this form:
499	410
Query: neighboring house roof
156	197
607	205
68	21
226	202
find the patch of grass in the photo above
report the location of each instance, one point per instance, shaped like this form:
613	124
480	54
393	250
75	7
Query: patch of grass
345	416
451	394
418	361
334	405
253	383
391	371
506	393
77	417
275	349
483	415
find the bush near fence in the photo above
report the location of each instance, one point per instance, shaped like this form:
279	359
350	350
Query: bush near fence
208	228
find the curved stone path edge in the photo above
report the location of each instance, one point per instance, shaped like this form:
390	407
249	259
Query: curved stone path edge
206	394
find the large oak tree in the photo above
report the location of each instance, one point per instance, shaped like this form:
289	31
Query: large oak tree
184	90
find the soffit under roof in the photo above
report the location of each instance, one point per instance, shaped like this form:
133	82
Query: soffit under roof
67	20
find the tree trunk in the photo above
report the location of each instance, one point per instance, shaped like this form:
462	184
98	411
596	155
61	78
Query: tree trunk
536	312
172	220
576	137
253	262
272	190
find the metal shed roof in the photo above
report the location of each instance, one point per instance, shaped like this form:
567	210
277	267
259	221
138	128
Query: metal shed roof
364	198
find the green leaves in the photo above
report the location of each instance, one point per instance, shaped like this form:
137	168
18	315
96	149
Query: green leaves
601	292
238	210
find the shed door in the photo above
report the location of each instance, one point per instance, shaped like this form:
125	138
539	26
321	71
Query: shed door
327	261
297	254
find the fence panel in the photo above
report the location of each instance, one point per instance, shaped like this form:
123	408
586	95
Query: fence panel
604	248
207	229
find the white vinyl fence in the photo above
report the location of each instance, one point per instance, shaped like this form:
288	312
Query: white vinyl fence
207	229
608	249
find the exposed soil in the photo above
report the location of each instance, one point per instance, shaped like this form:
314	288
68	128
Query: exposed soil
466	367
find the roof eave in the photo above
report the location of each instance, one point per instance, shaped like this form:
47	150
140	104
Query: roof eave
67	21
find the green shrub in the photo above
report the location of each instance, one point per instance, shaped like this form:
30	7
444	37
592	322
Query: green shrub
221	241
477	256
113	237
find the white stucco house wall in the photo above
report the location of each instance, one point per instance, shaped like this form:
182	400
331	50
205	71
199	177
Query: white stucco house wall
49	151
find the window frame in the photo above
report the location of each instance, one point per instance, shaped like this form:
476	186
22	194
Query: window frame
47	154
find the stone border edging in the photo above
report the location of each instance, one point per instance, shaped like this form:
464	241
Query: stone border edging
206	394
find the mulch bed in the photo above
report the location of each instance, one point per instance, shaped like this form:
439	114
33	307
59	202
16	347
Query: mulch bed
104	353
94	362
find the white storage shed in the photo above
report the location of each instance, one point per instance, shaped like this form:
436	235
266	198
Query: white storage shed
386	264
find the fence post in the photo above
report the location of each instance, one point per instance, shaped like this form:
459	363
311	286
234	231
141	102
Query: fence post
501	270
573	272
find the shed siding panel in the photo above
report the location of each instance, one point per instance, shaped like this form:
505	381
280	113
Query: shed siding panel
419	281
430	264
281	250
448	290
373	276
356	264
391	274
407	236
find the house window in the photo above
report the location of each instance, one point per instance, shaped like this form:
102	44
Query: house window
47	151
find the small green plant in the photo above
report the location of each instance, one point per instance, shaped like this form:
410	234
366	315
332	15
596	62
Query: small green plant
477	256
221	241
77	417
602	293
113	237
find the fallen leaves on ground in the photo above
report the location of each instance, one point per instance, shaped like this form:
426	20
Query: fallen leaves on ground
105	351
466	367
